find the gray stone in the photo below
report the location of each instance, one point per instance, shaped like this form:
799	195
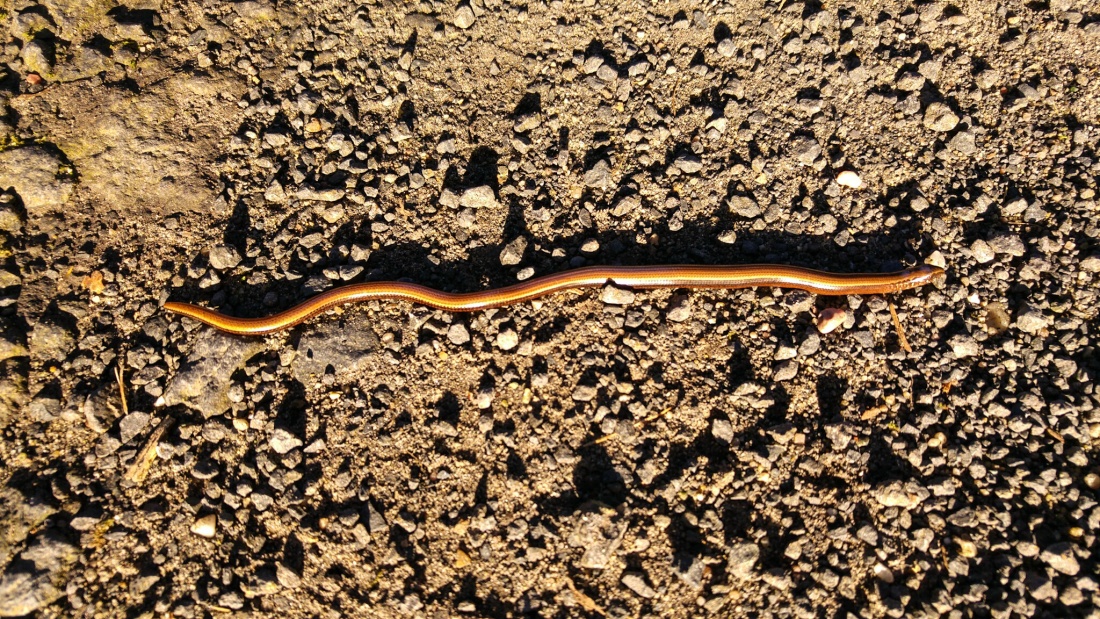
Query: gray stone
964	143
613	295
201	383
124	157
599	176
939	117
464	17
599	531
722	430
982	251
919	204
263	582
1031	319
22	593
37	58
287	577
1040	587
679	309
282	441
868	535
585	393
507	339
688	164
964	346
607	73
457	334
899	494
132	425
276	139
321	195
1060	557
11	220
224	257
51	341
34	173
478	197
1007	243
786	370
376	522
805	149
636	582
275	193
910	81
1014	207
25	26
689	569
744	206
512	253
9	279
344	345
742	560
20	515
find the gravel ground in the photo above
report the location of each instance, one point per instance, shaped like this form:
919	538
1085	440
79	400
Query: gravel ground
658	453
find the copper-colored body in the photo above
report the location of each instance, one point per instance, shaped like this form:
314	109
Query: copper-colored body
674	276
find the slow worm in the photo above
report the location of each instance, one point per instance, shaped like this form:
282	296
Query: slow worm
648	277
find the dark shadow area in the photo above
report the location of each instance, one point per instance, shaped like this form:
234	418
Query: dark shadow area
595	477
830	393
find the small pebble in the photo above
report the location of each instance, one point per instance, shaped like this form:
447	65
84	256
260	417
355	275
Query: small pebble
484	398
964	346
742	560
585	393
224	257
996	318
848	178
507	339
636	583
884	574
457	334
722	430
617	296
1092	480
919	204
830	318
982	252
478	197
464	17
939	117
333	214
1031	319
512	253
786	370
679	309
282	441
205	526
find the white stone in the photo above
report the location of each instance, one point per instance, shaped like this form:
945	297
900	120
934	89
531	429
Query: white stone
848	178
205	526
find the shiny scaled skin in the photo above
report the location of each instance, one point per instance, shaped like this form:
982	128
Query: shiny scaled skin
645	277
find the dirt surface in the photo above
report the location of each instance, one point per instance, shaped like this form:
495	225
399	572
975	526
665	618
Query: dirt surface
661	454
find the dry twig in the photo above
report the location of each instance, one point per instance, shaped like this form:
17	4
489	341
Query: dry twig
897	325
139	468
